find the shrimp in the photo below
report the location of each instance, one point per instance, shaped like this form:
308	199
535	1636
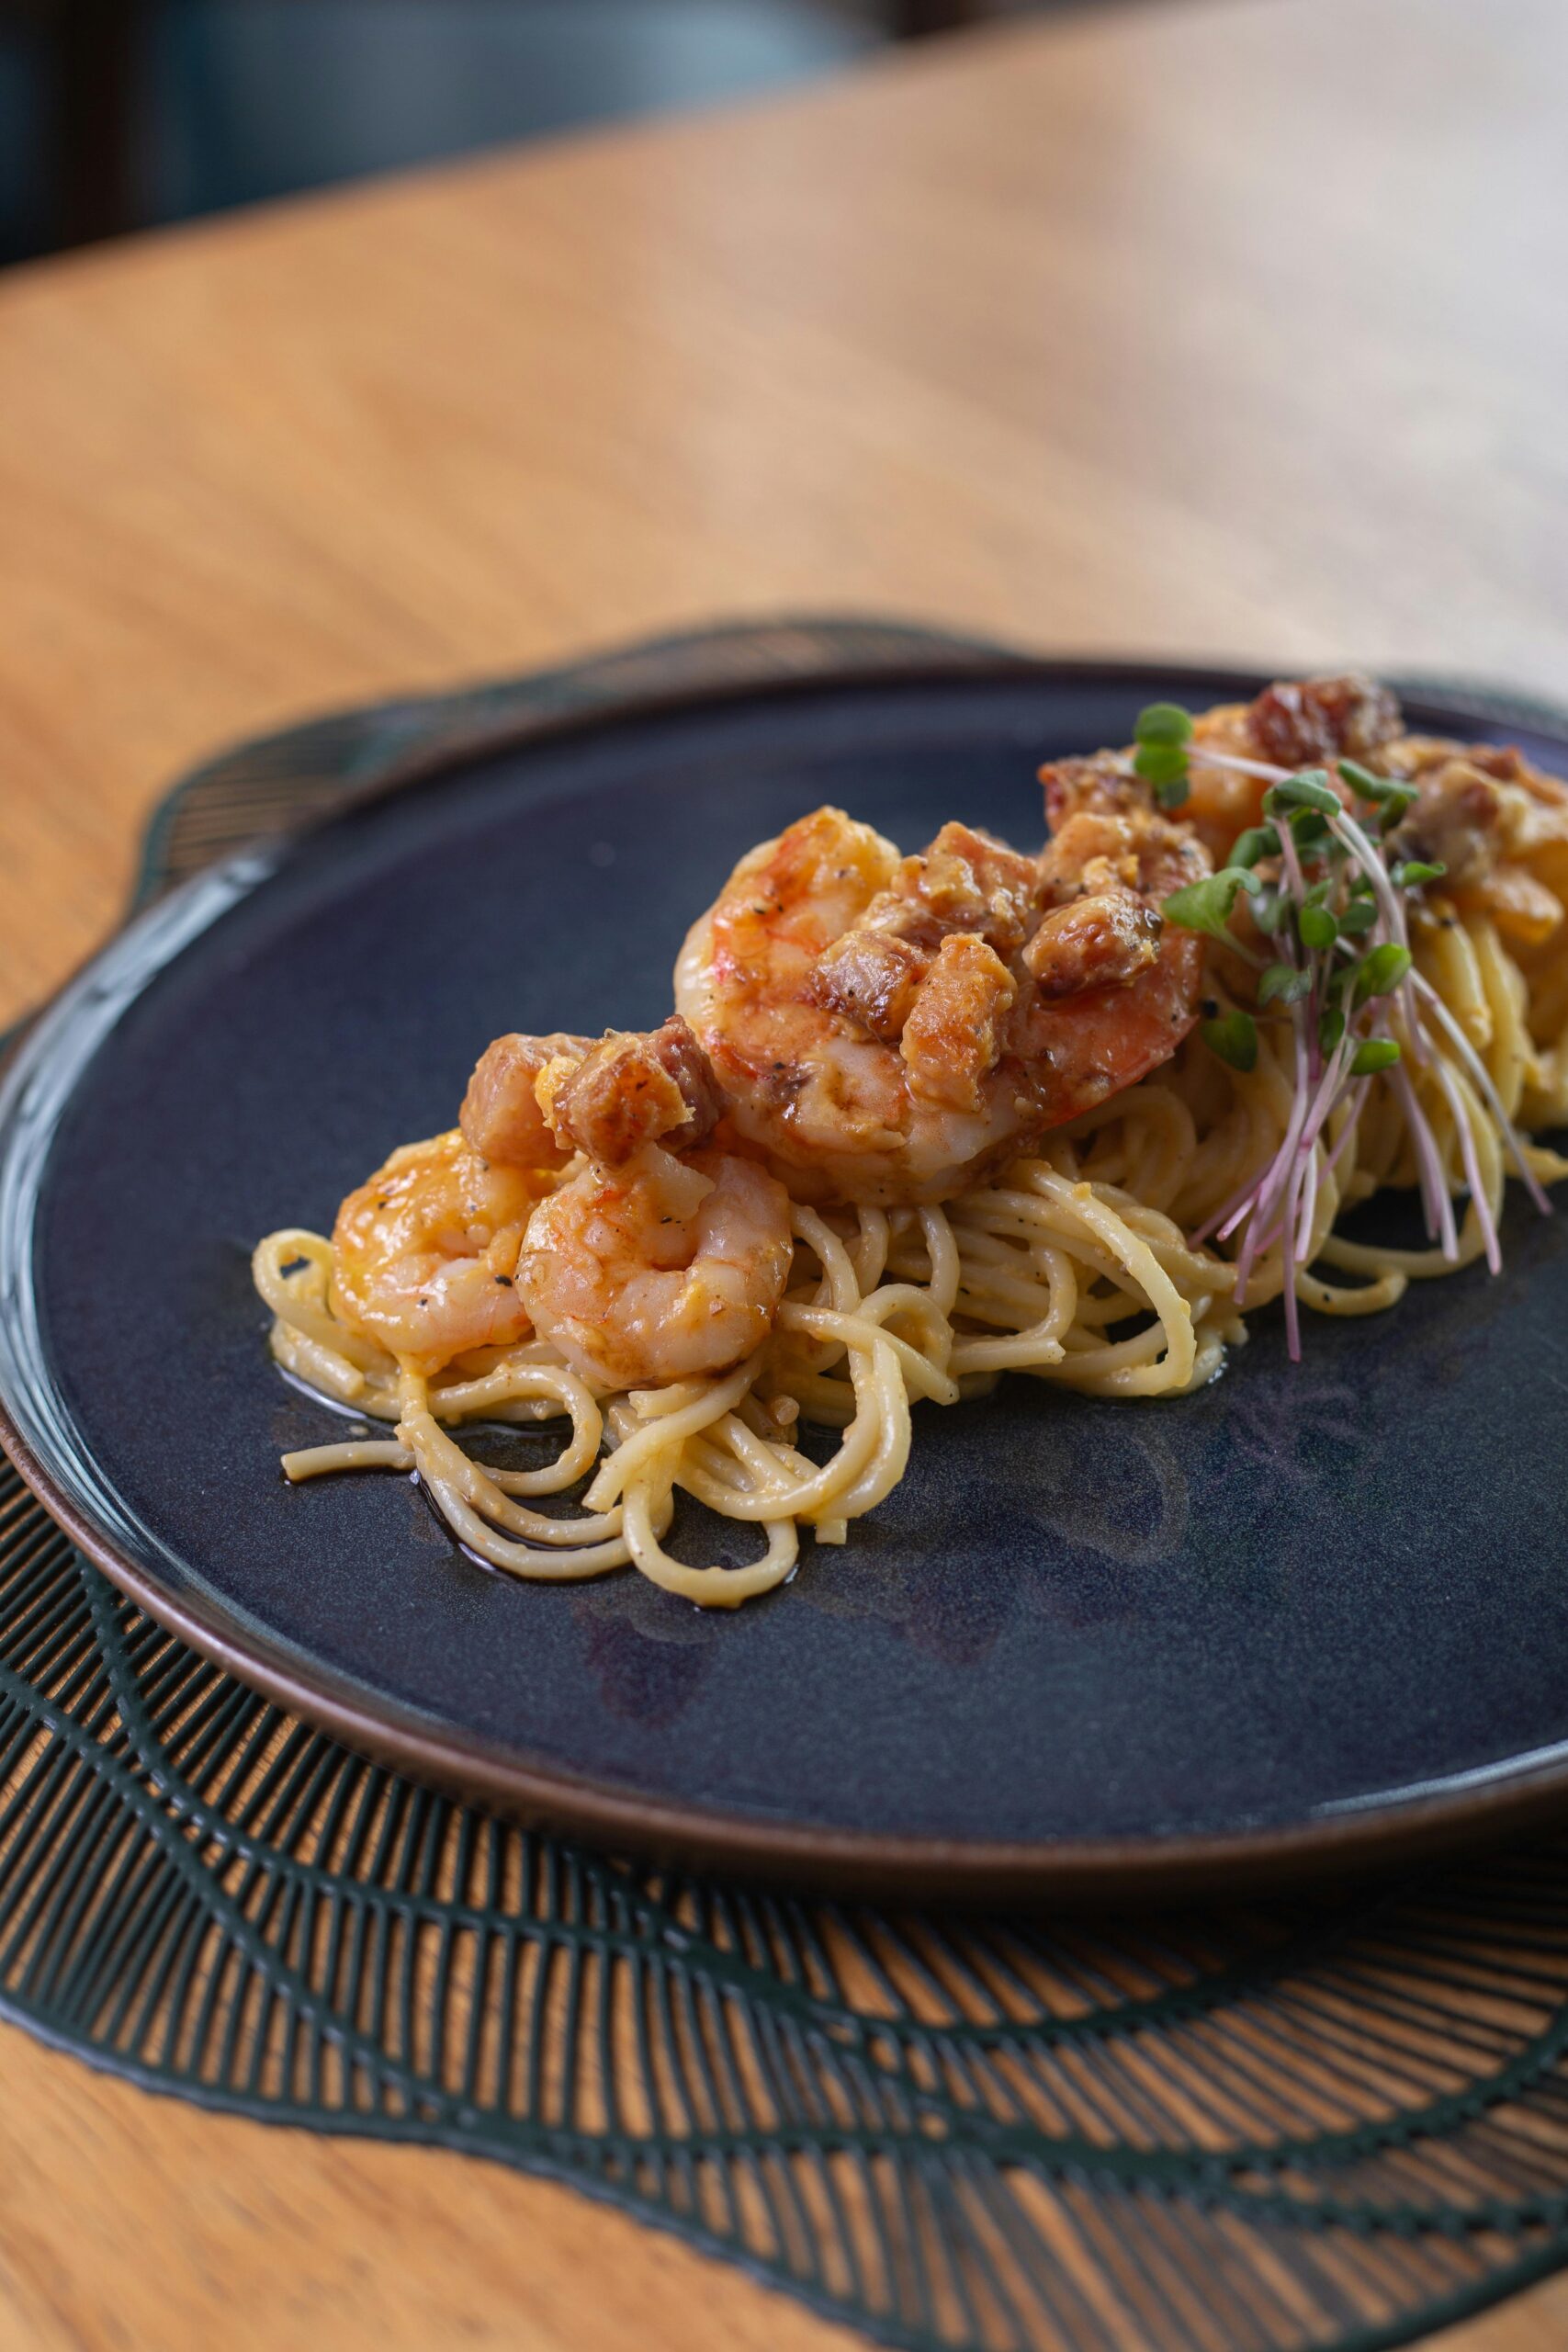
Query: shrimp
533	1101
501	1116
885	1029
1305	723
1311	723
630	1090
1496	824
661	1269
1499	827
424	1255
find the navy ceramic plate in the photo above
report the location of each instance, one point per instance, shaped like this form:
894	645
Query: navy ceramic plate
1084	1646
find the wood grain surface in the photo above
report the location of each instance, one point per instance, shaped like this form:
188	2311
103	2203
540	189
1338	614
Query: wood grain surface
1229	329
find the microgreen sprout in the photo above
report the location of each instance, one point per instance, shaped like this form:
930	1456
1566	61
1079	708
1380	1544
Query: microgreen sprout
1284	984
1161	736
1393	795
1320	881
1257	842
1381	970
1164	722
1233	1036
1206	906
1310	789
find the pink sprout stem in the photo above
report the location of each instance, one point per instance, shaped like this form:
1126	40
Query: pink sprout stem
1290	857
1218	1223
1478	1070
1277	1175
1357	1088
1434	1182
1232	760
1317	1119
1309	1206
1281	1205
1484	1218
1322	1109
1390	906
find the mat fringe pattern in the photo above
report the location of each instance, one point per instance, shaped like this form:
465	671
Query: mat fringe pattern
1300	2124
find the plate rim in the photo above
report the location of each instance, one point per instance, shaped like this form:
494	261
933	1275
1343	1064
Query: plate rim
1516	1794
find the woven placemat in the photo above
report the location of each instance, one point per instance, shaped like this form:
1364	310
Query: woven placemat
1317	2122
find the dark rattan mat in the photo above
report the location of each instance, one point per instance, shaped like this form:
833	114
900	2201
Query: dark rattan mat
1305	2122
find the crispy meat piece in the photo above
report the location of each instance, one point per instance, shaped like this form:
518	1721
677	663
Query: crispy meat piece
1457	820
1318	721
1101	785
1093	851
970	882
501	1117
952	1039
675	1047
965	883
1100	941
870	975
1497	826
630	1090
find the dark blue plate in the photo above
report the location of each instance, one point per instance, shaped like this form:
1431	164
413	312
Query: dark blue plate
1305	1613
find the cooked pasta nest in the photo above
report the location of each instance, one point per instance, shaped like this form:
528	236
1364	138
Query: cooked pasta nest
1074	1265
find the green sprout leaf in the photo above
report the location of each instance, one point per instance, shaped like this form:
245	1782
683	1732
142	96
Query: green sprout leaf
1269	909
1318	926
1159	758
1284	984
1382	970
1163	765
1358	915
1331	1028
1364	784
1163	722
1377	1053
1394	795
1234	1038
1205	906
1309	826
1311	789
1258	842
1414	871
1160	762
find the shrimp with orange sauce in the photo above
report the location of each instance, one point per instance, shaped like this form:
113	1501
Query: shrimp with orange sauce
1495	823
424	1254
1490	826
655	1260
886	1029
659	1271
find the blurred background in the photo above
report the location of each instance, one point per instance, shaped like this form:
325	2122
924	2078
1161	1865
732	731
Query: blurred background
119	114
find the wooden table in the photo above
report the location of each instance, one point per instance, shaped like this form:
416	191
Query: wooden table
1226	330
